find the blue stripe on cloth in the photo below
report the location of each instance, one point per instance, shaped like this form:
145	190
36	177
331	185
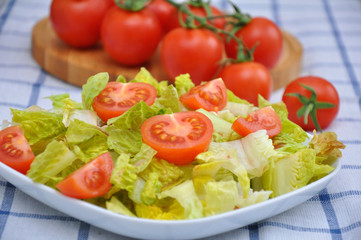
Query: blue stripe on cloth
253	231
330	215
275	12
6	205
36	89
5	15
343	52
9	189
40	216
83	233
352	167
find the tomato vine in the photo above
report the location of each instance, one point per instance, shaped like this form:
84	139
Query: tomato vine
237	20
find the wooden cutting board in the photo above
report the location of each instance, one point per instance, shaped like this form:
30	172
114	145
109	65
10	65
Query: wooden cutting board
77	65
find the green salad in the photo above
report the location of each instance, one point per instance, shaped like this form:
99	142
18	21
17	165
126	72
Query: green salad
231	172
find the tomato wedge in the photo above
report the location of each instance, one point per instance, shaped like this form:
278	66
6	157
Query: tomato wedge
178	137
263	118
15	150
118	97
89	181
211	96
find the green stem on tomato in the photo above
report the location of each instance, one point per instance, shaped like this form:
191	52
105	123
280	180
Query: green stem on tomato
310	106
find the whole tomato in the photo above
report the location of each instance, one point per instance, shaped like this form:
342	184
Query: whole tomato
194	51
130	37
77	23
319	98
265	35
162	9
248	79
173	20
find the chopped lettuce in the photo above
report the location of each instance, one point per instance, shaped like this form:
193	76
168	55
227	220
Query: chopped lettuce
87	141
117	206
186	196
145	76
47	165
93	87
39	125
183	83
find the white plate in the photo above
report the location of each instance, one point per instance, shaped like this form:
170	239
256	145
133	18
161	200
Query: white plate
153	229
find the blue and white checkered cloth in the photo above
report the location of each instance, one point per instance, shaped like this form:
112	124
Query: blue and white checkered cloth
330	32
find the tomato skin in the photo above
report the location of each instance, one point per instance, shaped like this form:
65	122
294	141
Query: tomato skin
248	79
263	118
178	138
15	150
266	35
173	20
162	9
130	38
325	91
77	23
211	96
194	51
118	97
91	180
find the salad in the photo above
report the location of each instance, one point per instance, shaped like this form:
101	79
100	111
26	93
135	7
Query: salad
150	149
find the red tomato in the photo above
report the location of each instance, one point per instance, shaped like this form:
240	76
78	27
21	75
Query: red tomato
77	23
263	118
194	51
91	180
162	9
248	79
211	96
130	37
15	150
118	97
325	92
173	20
263	34
178	137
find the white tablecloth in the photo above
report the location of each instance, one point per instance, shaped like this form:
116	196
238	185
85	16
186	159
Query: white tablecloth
330	32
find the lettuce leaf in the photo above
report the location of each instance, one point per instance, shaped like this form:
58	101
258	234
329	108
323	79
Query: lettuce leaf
93	87
47	165
183	83
186	196
86	140
39	125
146	77
117	206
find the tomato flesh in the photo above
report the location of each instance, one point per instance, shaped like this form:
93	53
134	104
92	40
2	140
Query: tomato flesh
89	181
263	118
211	96
15	150
118	97
178	138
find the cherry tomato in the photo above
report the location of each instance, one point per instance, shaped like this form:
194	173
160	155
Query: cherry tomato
173	20
263	118
211	96
77	23
118	97
325	93
130	37
162	9
194	51
248	79
91	180
265	35
15	150
178	137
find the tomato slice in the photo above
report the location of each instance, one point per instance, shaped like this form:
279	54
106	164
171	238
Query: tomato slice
263	118
89	181
211	96
178	137
118	97
15	150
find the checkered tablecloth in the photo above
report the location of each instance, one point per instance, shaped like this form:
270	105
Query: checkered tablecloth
330	32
